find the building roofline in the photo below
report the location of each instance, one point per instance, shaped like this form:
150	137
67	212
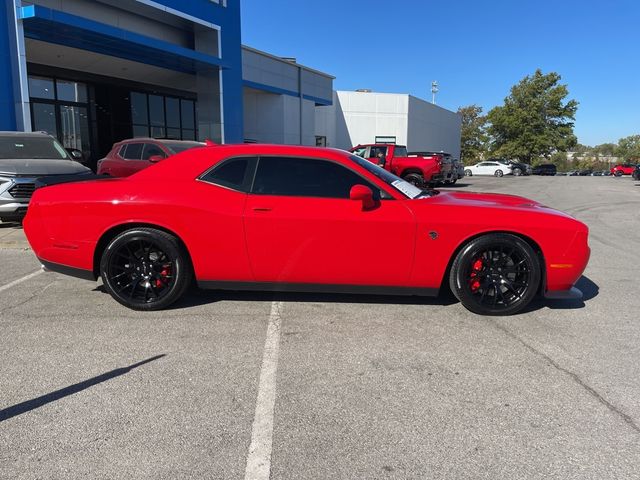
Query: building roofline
288	62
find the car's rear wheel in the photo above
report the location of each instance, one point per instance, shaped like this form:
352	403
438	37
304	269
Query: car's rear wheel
517	172
496	274
618	173
499	173
468	173
145	269
414	179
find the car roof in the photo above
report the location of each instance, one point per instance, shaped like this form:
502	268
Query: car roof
22	134
159	140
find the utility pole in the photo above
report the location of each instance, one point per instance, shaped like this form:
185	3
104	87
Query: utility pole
434	90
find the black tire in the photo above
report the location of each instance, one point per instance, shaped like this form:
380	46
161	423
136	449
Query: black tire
414	179
496	274
454	180
498	173
468	173
618	173
145	269
517	172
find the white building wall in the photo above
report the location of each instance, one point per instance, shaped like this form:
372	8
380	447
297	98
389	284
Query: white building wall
433	128
274	118
359	117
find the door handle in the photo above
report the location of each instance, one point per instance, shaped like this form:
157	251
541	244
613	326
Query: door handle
261	209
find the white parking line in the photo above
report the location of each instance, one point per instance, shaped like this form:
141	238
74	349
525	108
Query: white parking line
20	280
259	458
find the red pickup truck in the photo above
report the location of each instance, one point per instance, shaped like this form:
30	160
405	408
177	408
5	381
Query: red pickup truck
418	170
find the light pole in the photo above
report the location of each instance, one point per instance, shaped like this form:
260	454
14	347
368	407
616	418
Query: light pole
434	90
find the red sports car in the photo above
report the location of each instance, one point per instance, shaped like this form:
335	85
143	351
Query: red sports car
624	169
270	217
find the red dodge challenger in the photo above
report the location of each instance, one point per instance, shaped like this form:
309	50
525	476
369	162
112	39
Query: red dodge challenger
273	217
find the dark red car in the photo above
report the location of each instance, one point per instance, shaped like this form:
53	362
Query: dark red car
624	169
270	217
131	156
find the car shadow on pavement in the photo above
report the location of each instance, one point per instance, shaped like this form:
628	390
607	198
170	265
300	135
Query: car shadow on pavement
27	406
10	225
197	297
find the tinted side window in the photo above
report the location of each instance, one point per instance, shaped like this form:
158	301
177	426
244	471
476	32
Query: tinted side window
133	151
304	177
230	173
151	149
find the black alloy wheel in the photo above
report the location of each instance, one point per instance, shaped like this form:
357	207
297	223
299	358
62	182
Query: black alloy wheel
414	179
496	274
145	269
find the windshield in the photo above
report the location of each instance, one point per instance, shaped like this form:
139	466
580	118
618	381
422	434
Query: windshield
31	147
407	189
182	146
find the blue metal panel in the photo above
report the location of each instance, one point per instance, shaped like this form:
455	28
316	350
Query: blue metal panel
229	19
7	102
52	26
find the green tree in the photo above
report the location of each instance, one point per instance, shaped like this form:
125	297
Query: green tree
535	120
473	134
629	148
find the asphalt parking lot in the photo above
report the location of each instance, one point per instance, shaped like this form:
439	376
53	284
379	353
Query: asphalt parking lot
247	385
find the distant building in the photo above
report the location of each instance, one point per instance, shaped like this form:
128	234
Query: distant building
365	116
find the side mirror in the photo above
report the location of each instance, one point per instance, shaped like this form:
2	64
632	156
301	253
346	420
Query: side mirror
156	158
363	194
75	154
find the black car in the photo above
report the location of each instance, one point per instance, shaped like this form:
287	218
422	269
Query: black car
545	169
636	173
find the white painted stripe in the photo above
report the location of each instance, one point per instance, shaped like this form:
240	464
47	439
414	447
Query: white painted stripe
20	280
259	458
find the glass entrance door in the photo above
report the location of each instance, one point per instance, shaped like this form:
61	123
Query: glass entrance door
74	128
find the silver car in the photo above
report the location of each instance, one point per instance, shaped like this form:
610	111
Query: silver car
24	157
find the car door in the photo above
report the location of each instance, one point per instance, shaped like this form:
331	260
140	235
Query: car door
132	159
149	150
301	227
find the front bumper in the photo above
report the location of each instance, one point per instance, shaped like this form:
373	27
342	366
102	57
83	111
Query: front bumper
572	294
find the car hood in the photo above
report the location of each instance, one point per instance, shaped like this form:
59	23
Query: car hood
33	167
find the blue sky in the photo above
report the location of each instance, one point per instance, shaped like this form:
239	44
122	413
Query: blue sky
476	50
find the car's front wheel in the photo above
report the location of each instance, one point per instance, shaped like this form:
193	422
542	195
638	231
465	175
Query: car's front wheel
495	274
468	173
145	269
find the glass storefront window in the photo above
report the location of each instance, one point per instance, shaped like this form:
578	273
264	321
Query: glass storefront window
173	133
44	118
139	112
173	112
140	131
188	134
188	114
71	91
156	111
41	87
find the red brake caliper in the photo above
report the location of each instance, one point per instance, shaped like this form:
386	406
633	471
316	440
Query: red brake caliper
475	268
164	273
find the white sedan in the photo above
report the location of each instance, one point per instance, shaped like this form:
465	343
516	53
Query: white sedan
488	168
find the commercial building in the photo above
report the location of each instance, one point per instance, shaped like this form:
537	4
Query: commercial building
366	117
93	72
